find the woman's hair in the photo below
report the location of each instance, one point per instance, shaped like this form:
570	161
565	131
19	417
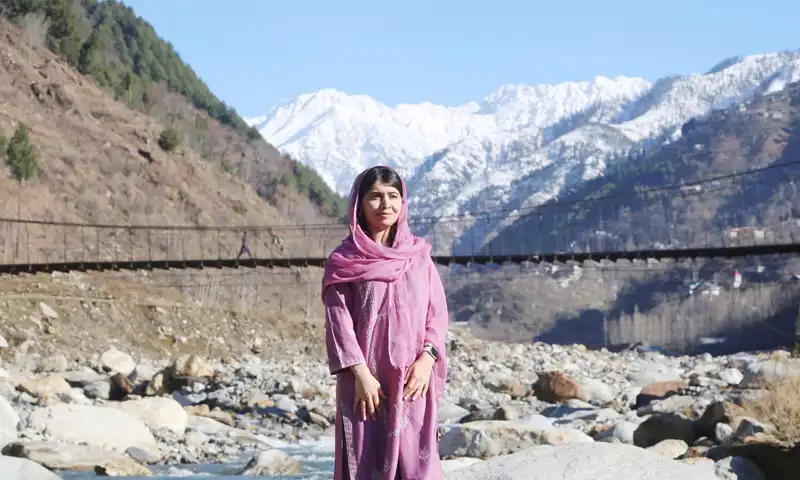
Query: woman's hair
372	176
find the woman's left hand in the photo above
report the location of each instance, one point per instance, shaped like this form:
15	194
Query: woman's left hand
418	377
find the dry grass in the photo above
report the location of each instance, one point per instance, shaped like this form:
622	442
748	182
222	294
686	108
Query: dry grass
780	406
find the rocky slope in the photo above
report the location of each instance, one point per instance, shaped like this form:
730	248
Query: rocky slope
162	314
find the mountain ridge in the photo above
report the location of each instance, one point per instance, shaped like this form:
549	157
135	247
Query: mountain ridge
451	124
527	148
751	150
489	104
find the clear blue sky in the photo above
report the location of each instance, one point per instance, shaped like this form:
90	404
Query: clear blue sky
253	53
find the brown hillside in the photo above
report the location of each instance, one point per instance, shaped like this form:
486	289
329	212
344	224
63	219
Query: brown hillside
92	170
93	166
251	162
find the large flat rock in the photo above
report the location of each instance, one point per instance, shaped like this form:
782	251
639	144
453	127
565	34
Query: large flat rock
59	456
104	427
490	438
156	412
9	420
582	461
12	468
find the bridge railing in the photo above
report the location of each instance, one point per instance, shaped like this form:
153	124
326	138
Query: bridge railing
36	242
30	242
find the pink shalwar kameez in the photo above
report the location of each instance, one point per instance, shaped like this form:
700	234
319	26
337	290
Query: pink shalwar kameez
382	305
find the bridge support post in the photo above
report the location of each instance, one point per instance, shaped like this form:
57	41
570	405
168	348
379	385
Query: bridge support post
796	343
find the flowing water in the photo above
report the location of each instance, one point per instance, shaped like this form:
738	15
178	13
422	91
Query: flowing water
316	463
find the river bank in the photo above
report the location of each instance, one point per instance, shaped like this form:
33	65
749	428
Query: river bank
118	413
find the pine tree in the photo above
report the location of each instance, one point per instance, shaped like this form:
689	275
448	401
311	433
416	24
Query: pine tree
21	156
89	62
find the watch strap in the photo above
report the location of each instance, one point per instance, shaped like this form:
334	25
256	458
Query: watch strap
431	350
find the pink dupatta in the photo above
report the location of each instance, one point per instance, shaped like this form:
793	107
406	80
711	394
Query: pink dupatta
359	258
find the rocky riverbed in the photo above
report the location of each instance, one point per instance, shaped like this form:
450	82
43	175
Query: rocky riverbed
508	408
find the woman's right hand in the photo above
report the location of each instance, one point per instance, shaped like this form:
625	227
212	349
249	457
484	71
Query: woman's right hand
368	392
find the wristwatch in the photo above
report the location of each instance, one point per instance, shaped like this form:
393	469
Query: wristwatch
431	350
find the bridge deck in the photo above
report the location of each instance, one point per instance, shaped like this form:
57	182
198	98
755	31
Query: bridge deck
552	257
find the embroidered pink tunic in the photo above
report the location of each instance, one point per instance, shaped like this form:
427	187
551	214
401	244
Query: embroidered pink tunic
402	442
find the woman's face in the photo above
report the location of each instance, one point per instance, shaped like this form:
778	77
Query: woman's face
381	206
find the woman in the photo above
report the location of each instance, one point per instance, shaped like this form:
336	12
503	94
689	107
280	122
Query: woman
385	324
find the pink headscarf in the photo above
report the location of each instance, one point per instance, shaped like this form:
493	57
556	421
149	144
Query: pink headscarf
359	258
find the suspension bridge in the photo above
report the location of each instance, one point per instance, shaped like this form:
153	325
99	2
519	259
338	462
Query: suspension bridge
638	241
636	224
31	246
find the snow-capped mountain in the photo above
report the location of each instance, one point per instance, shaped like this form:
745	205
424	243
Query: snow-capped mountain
339	135
518	147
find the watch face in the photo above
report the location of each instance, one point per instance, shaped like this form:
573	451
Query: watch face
435	352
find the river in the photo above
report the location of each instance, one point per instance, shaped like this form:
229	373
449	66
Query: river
316	463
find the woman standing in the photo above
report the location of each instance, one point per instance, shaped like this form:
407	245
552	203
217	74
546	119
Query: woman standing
385	323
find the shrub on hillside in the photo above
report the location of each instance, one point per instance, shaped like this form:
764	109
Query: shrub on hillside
169	140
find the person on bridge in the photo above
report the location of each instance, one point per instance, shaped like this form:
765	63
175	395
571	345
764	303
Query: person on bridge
244	248
385	326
